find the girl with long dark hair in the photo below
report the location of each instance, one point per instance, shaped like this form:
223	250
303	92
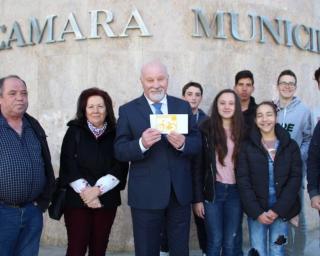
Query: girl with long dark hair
216	192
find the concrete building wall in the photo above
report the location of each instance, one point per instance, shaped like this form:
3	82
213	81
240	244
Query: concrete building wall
57	72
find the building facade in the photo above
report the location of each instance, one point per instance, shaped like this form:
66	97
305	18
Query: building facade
62	47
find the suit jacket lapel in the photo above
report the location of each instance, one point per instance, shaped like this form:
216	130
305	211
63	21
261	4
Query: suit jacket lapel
172	106
144	108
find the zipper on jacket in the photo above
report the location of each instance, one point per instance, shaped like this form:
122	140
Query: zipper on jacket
213	185
211	169
284	118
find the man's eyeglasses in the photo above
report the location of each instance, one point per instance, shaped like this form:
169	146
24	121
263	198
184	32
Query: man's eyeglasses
290	84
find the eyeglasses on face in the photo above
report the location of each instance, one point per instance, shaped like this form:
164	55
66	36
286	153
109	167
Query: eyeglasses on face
290	84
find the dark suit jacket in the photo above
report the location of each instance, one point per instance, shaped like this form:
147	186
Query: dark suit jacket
153	173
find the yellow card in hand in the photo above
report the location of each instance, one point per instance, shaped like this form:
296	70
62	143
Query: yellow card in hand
170	122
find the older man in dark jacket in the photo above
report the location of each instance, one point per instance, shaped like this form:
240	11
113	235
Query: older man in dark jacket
27	179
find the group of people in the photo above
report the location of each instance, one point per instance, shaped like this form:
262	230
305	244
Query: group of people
242	157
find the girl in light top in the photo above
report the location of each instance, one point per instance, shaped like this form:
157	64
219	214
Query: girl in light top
216	194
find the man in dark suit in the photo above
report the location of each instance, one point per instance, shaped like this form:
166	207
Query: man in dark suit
160	181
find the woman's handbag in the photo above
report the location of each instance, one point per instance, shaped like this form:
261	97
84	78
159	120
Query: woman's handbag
57	204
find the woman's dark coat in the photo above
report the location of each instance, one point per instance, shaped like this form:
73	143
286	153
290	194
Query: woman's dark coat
84	156
253	175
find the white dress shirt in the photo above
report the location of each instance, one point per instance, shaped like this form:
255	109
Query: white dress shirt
164	110
105	184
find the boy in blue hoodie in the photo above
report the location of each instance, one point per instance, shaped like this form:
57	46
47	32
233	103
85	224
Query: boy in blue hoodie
295	117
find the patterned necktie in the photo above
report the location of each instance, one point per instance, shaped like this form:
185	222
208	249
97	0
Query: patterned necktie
157	107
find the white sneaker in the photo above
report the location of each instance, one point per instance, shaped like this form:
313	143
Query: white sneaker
164	253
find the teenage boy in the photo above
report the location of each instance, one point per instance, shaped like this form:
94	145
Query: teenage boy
191	92
295	117
244	88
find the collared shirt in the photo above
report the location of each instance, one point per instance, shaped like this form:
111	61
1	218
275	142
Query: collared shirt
164	105
196	116
97	132
22	174
164	110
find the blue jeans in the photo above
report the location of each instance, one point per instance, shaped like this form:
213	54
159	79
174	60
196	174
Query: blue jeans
239	238
268	240
20	230
222	220
298	235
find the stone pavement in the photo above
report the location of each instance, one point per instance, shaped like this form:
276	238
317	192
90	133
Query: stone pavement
311	250
58	251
